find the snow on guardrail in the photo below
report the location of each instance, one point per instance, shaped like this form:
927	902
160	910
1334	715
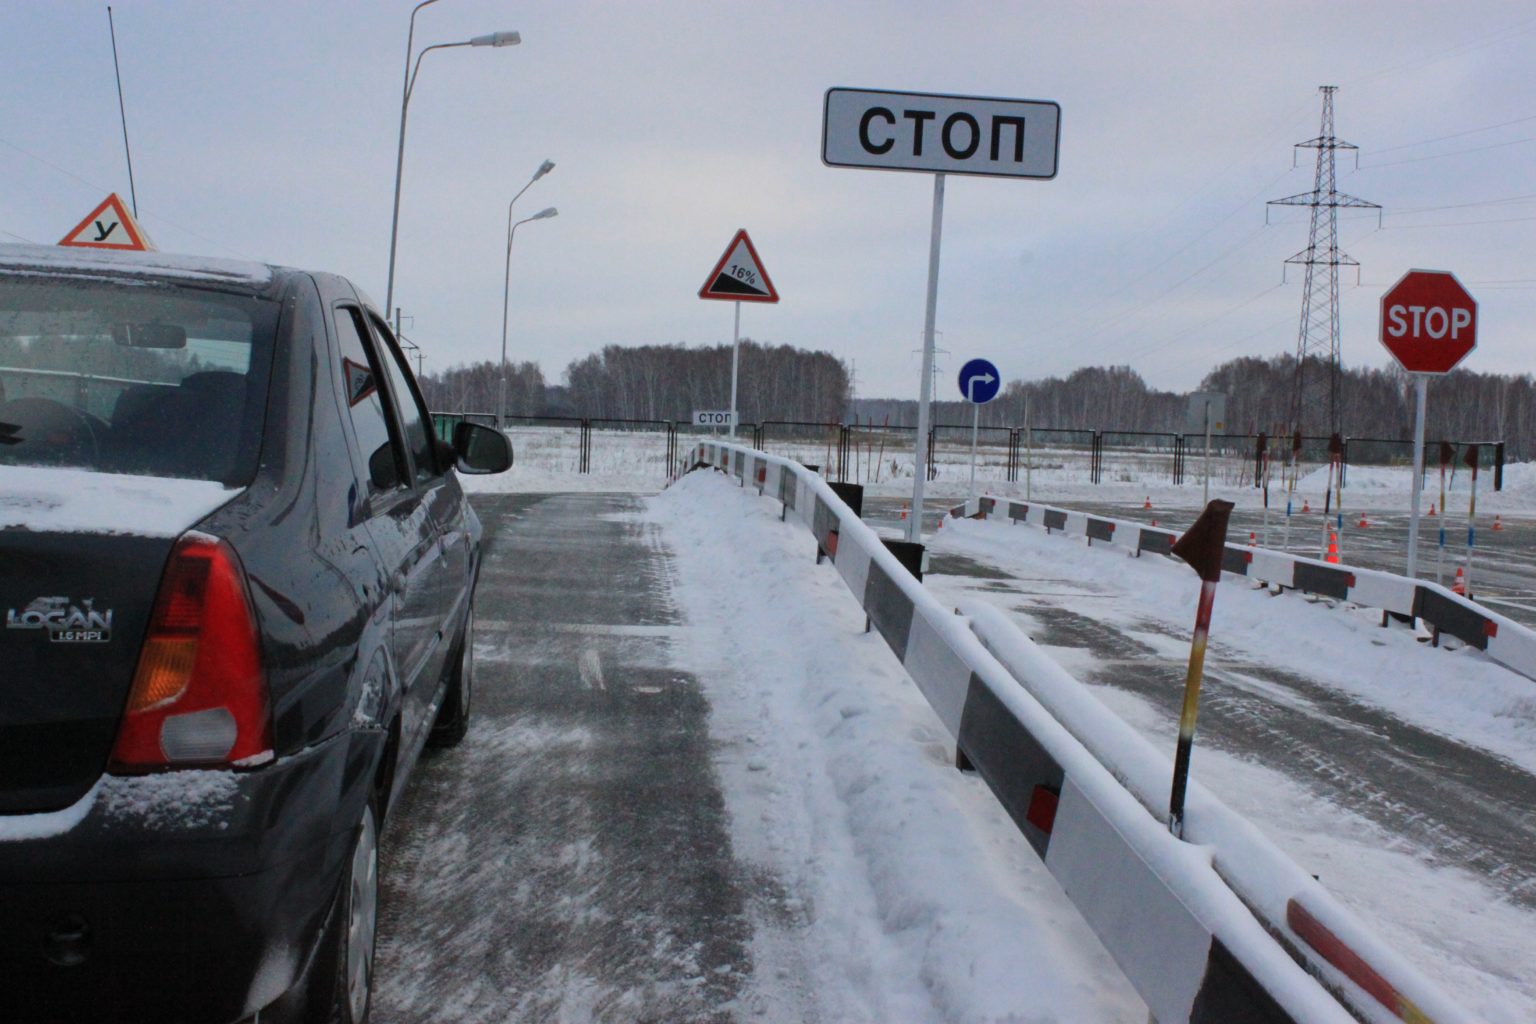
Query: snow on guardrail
1504	640
1192	948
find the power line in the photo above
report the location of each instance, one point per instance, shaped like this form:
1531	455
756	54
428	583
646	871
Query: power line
157	217
1508	200
12	234
1454	152
1453	135
1436	56
1456	223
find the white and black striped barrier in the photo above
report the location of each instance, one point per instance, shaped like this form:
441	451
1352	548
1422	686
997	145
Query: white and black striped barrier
1505	641
1182	935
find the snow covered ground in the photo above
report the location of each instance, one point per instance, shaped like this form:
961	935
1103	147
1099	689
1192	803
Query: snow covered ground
835	770
1464	915
548	459
916	899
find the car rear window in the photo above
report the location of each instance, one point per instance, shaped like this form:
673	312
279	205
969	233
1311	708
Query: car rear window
157	379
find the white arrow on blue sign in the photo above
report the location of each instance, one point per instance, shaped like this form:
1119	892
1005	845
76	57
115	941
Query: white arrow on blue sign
979	381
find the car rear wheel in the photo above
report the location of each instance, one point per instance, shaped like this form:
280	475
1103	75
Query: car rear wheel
357	925
453	716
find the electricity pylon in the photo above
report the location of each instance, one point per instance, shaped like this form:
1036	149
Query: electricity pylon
1315	391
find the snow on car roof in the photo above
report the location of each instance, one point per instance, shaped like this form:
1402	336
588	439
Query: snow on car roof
148	264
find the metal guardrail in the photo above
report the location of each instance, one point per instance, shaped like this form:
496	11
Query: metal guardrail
1504	640
1179	927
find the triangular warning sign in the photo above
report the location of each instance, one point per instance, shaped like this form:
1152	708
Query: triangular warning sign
739	276
109	226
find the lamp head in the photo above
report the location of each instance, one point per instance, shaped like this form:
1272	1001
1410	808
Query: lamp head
544	168
545	213
497	39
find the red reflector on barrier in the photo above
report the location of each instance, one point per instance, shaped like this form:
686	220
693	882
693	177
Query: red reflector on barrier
1332	949
1042	809
1349	579
1490	628
831	546
762	474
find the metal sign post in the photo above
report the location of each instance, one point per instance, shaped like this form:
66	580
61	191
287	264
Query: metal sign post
941	134
1207	412
925	393
738	277
1421	392
980	382
1429	324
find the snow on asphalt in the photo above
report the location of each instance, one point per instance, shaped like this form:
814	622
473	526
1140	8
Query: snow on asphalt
1456	926
909	895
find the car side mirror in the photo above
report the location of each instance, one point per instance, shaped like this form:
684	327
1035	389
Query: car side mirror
382	471
481	449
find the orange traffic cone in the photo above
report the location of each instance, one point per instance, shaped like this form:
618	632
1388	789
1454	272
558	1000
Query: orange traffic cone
1253	539
1306	506
1498	524
1362	524
903	510
1460	586
941	521
1431	508
1333	548
1148	503
1154	522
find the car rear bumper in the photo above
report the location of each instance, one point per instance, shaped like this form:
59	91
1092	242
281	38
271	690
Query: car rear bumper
195	896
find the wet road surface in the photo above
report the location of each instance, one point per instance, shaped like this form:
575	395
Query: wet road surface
570	860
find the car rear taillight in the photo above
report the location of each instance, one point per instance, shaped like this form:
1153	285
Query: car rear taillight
199	696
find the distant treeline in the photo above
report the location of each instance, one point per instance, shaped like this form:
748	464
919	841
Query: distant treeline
659	382
780	382
1377	403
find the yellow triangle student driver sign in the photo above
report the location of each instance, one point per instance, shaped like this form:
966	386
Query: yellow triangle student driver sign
739	276
109	226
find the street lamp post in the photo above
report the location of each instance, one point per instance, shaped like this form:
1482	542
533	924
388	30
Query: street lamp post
506	289
494	39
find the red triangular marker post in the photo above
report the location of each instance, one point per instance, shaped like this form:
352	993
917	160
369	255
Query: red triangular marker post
1203	547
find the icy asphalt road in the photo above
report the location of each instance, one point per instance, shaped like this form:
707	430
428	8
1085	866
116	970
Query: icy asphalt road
696	790
570	860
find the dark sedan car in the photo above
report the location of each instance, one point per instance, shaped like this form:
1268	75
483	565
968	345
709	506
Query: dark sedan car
237	572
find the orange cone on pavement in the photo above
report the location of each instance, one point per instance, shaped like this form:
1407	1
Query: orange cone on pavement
1363	524
1431	508
1306	506
1148	503
1460	586
1498	524
1333	548
903	510
1253	539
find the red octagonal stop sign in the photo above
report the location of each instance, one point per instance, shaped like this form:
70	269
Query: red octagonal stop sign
1428	321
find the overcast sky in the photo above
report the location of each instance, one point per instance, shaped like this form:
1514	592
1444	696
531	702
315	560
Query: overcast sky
268	130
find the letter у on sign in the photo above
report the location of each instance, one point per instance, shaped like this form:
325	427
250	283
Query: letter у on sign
899	131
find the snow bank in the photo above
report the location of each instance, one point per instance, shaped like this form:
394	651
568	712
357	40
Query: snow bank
1153	900
911	896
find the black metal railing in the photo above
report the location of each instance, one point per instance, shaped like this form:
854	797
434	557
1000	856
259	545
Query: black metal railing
848	451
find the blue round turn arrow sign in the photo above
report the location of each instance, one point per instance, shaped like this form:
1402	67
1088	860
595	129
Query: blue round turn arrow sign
979	381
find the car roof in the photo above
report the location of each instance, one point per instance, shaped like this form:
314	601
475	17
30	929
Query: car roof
205	271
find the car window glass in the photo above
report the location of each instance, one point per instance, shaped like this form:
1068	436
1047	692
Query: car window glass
155	379
365	403
418	435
